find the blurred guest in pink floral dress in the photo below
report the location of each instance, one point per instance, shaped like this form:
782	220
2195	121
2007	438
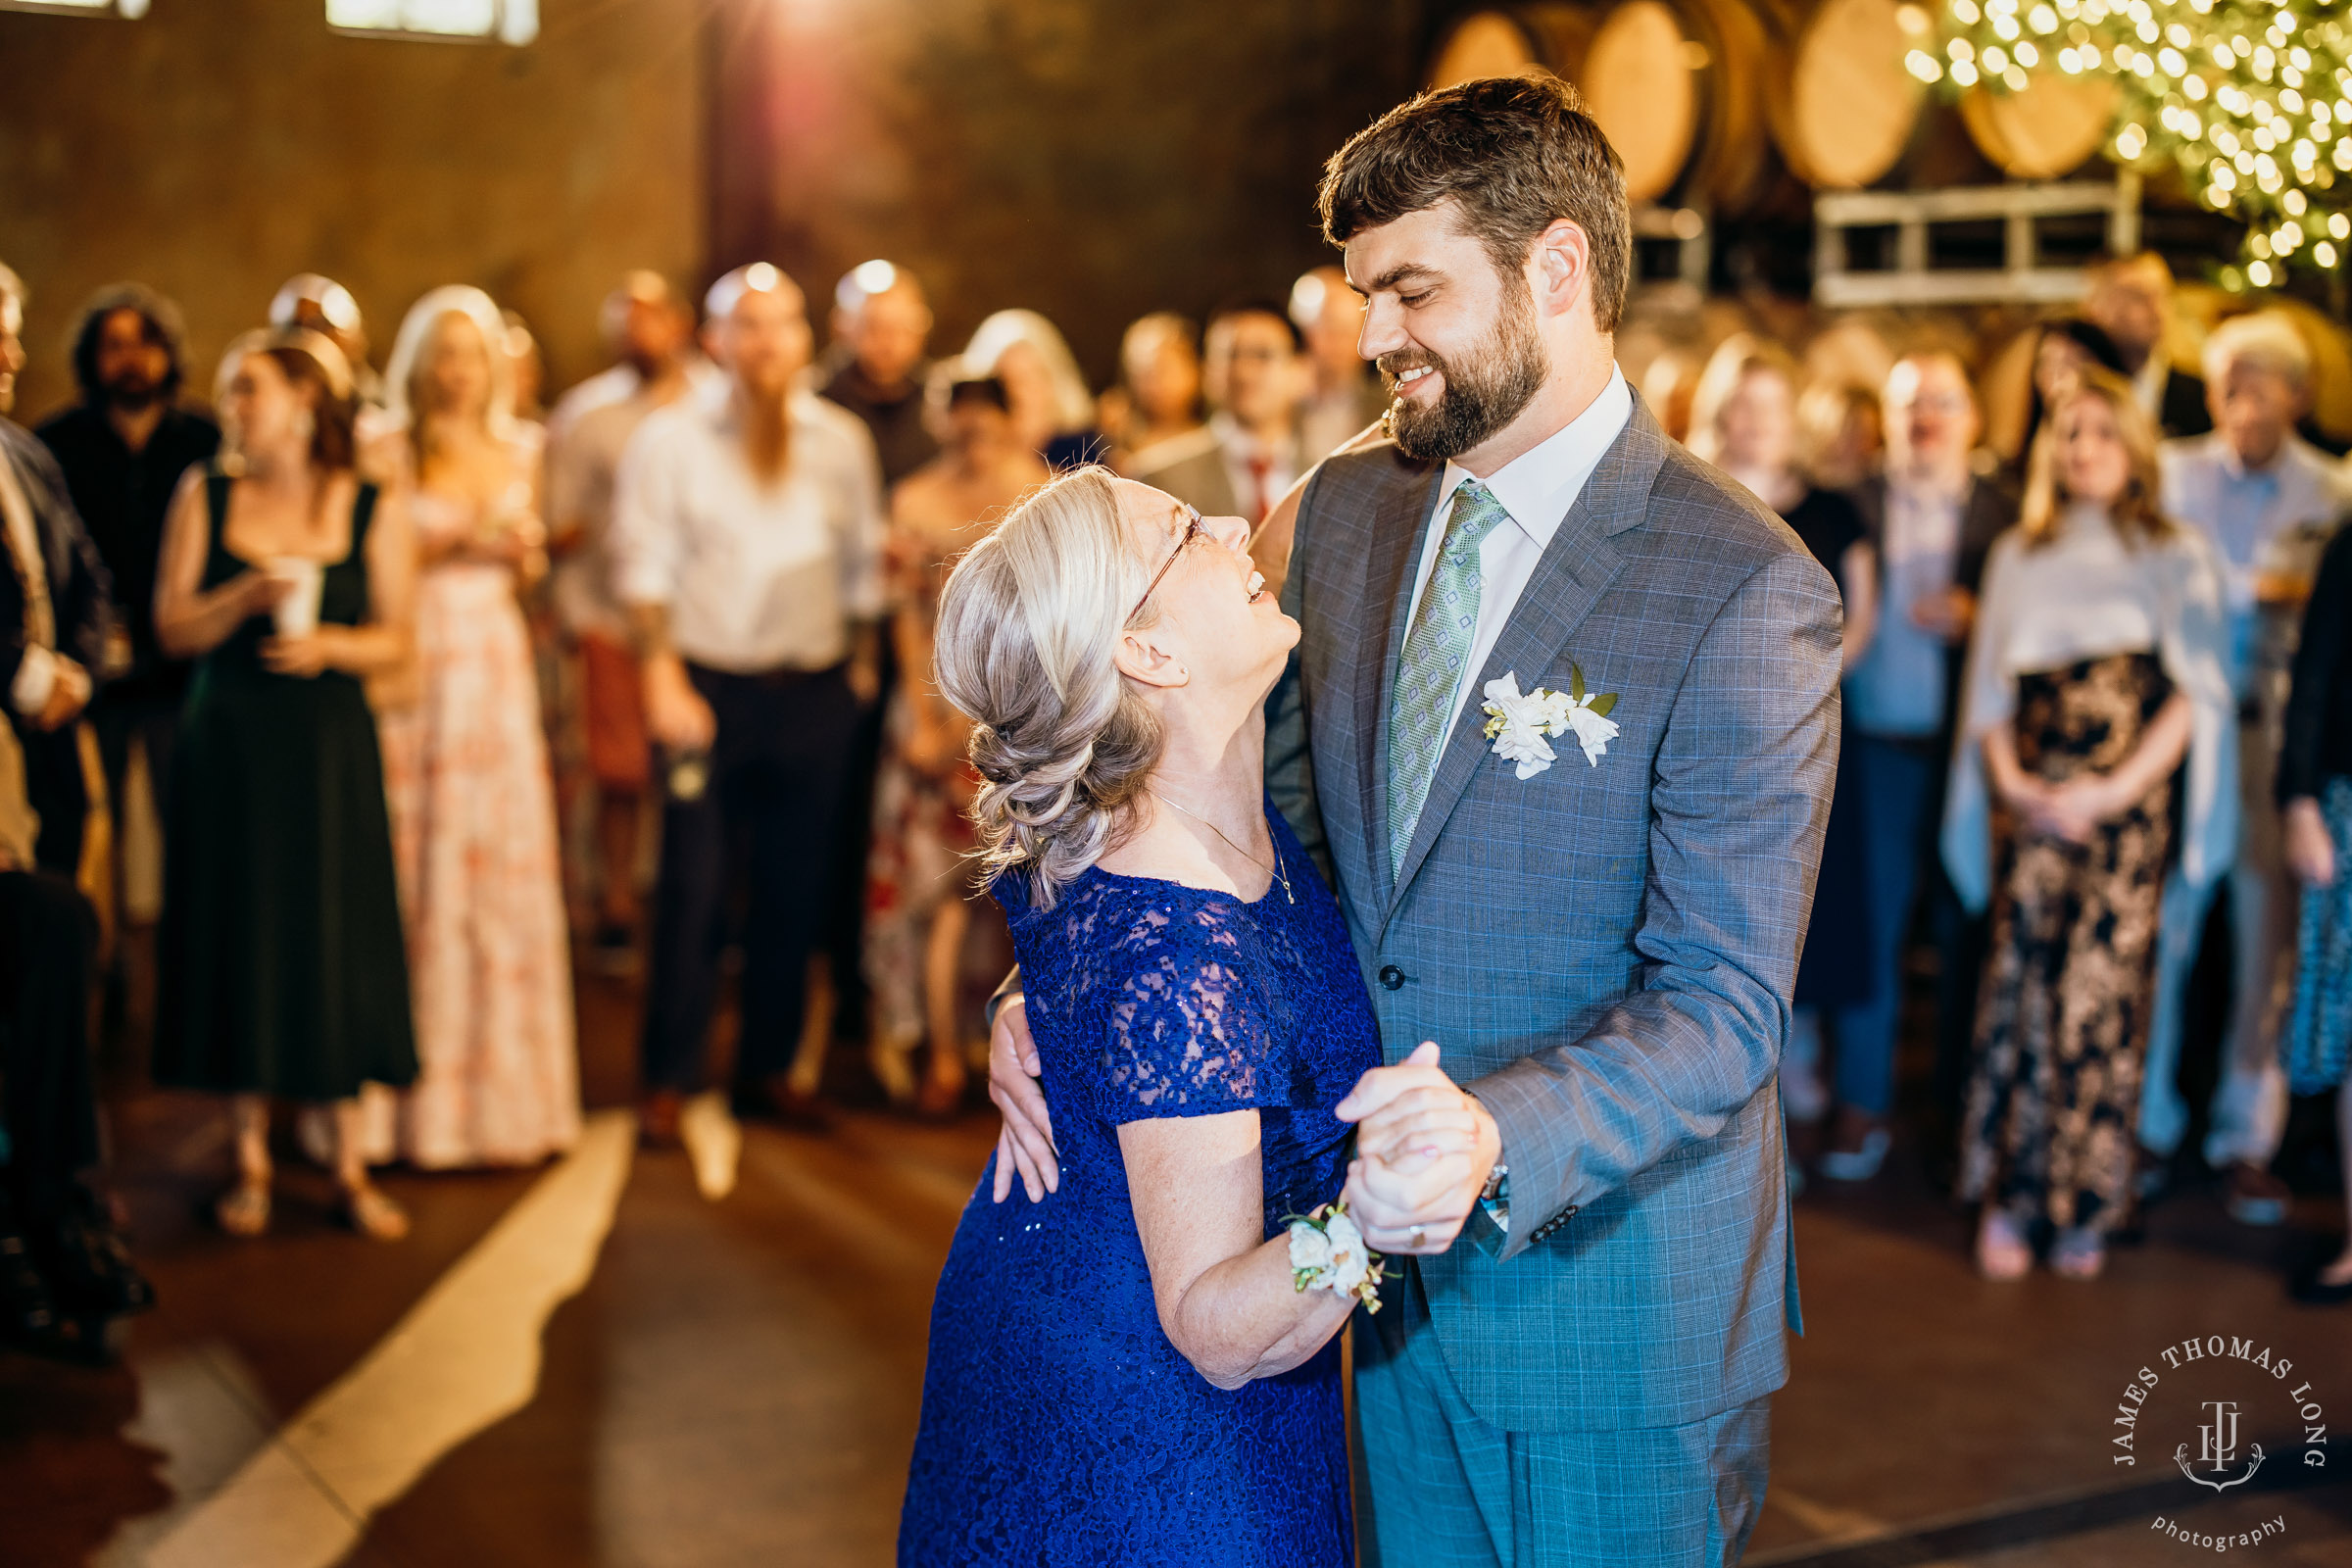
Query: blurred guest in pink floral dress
466	761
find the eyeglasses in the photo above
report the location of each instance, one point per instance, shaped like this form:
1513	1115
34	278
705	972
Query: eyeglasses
1191	528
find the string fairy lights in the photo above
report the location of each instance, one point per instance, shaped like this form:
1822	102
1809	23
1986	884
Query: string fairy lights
2250	100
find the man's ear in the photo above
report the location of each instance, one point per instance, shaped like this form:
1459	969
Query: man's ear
1141	660
1562	267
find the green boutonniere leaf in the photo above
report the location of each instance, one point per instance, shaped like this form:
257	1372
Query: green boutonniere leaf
1575	682
1604	703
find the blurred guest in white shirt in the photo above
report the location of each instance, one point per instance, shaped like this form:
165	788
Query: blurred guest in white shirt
2267	501
747	541
1256	378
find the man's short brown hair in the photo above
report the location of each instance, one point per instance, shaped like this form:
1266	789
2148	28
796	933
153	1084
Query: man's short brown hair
1517	153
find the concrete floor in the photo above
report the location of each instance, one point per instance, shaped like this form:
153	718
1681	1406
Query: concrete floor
735	1383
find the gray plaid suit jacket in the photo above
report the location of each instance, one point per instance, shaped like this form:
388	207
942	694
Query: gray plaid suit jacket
1604	954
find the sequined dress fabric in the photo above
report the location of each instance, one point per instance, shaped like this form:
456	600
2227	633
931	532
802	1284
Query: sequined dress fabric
1060	1425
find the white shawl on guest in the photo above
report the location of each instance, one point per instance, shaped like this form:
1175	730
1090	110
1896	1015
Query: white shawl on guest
2085	595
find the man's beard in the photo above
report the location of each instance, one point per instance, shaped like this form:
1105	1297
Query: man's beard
1484	391
131	393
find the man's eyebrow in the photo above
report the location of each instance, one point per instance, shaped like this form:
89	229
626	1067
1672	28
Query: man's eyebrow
1404	273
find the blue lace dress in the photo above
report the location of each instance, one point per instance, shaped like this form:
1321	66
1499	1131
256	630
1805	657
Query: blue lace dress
1059	1426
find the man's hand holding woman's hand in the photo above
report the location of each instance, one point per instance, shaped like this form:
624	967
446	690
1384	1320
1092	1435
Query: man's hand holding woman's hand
1424	1150
1424	1147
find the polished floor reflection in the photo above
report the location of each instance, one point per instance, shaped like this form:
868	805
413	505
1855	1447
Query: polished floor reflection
590	1363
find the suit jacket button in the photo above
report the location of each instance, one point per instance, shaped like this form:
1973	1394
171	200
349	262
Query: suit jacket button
1393	977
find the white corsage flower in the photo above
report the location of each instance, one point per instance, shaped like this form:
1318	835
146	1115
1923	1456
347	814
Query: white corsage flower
1328	1252
1518	724
1351	1258
1310	1249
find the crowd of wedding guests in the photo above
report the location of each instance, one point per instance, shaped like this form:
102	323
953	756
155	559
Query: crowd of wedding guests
426	678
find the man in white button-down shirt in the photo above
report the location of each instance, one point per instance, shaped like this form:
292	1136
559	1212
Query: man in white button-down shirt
746	540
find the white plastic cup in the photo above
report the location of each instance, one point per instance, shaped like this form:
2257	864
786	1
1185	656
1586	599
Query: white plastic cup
298	612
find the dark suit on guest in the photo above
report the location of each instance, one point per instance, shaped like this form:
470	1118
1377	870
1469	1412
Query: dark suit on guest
1203	479
82	611
2181	411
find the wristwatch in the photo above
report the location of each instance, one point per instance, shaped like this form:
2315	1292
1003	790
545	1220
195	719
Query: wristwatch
1498	1185
1495	1197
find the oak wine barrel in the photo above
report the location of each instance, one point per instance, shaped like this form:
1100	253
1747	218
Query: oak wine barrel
2053	127
1677	85
1841	106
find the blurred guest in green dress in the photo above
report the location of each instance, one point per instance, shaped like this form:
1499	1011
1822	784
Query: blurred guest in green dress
288	579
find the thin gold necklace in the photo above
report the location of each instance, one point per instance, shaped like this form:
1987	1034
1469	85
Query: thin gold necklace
1277	871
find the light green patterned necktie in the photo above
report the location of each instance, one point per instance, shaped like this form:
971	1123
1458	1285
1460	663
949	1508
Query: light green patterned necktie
1436	647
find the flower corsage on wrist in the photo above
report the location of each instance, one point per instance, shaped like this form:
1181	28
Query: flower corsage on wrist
1328	1252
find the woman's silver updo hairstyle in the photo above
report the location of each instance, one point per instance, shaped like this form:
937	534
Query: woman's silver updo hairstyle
1028	626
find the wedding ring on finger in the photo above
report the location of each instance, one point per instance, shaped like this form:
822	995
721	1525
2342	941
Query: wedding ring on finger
1415	1233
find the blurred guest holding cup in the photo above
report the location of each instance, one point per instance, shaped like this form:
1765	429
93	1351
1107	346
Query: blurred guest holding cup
282	972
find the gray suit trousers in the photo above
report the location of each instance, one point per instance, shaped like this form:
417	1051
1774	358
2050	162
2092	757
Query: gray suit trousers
1437	1487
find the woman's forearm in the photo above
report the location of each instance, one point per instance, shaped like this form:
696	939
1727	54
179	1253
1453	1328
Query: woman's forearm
1245	1318
2001	767
2159	752
1226	1297
366	650
191	625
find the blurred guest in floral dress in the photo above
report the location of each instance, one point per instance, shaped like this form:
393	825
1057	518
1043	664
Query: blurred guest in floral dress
919	886
466	761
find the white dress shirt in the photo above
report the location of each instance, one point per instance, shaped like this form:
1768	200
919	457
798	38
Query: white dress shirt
756	575
1536	488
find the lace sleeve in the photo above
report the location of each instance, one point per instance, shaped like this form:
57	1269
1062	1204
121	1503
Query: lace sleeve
1189	1031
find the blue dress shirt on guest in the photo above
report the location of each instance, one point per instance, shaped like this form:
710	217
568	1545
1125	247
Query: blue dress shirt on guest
2245	511
1898	686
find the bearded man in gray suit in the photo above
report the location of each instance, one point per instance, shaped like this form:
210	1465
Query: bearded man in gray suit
1591	900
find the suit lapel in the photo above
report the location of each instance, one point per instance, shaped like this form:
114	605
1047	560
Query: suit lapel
1396	537
1575	569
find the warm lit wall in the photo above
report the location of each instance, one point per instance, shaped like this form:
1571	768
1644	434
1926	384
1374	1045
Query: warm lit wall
217	146
1094	159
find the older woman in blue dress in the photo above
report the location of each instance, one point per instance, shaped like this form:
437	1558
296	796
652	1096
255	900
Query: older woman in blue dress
1145	1370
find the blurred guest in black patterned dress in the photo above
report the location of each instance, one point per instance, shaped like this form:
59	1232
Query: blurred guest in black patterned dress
2096	672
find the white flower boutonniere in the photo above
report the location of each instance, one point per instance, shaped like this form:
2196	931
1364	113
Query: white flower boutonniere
1518	724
